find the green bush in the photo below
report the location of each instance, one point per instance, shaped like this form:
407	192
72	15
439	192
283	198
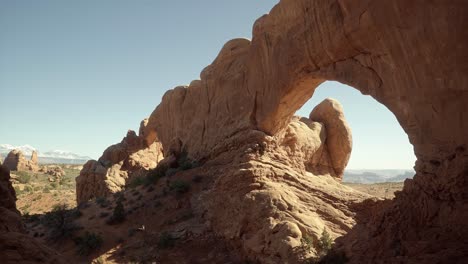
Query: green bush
172	171
23	177
60	222
334	257
185	163
166	240
306	244
17	190
28	188
153	176
102	201
135	182
118	214
88	243
325	243
179	186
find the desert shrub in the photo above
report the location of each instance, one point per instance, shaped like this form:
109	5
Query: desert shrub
334	257
172	171
46	189
325	243
197	178
135	182
28	189
60	222
155	174
306	244
131	231
88	243
102	201
17	190
31	218
75	213
118	215
54	185
166	240
185	163
23	177
179	186
103	214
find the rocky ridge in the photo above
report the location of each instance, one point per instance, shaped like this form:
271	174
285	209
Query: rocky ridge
118	165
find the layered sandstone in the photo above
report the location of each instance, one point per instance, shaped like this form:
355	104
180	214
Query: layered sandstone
117	166
15	161
410	56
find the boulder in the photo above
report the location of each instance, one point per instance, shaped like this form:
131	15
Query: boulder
56	171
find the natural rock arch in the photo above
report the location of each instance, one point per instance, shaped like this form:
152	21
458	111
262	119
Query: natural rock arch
409	55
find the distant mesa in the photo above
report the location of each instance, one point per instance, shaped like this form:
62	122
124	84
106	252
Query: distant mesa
377	176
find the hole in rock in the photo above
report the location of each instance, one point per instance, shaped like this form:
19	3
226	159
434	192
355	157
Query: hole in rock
382	156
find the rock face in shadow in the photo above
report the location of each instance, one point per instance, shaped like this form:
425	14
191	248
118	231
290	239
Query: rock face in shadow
409	55
117	166
15	245
15	161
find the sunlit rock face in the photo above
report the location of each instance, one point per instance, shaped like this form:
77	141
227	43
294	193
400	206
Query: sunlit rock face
118	165
410	56
16	161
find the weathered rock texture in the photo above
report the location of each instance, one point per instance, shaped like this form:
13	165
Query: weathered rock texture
15	161
409	55
53	170
117	166
15	245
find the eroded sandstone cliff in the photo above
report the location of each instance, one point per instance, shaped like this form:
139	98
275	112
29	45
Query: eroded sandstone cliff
117	166
409	55
273	187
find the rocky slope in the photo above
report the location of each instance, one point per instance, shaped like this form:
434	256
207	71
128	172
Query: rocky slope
407	55
117	166
15	245
275	178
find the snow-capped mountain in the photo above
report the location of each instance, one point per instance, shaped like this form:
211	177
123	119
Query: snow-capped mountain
26	149
53	156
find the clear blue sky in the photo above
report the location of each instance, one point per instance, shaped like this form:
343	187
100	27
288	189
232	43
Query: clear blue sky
76	75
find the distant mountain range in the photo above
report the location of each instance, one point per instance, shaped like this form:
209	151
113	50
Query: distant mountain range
376	176
49	157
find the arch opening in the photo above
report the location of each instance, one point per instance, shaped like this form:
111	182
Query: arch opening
382	156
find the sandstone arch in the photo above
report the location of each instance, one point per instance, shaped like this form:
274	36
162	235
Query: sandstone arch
409	55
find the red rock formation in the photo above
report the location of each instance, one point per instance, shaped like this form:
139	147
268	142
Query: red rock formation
117	166
15	245
409	55
16	161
